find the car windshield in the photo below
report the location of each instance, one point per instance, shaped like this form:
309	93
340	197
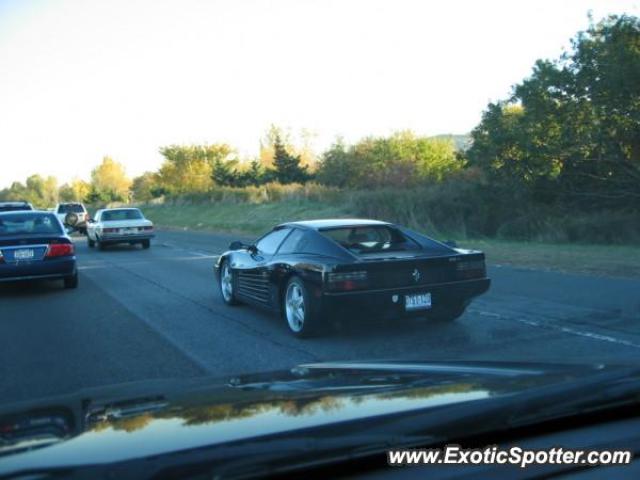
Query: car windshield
70	208
28	224
14	207
367	239
119	215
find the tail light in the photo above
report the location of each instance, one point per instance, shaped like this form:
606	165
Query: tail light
346	281
471	269
60	250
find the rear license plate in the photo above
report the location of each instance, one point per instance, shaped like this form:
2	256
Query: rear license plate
420	301
25	254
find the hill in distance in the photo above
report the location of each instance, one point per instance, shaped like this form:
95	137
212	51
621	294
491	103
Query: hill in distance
460	141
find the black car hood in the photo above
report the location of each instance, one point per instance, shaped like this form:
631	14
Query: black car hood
141	420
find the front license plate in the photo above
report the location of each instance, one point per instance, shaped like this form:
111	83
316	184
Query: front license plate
420	301
25	254
126	231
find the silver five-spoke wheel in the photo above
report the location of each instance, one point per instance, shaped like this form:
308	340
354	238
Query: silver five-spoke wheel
226	283
294	306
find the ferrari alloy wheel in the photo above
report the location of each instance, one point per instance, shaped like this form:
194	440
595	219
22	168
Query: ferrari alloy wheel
300	309
295	307
226	284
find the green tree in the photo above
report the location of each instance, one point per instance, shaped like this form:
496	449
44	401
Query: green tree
400	160
189	168
571	131
255	174
76	191
337	166
287	167
224	172
145	187
268	141
65	193
16	192
109	182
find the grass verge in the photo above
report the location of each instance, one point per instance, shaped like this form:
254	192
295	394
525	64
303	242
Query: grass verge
240	218
600	260
254	219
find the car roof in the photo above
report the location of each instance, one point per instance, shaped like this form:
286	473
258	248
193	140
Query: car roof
335	223
118	208
23	212
12	204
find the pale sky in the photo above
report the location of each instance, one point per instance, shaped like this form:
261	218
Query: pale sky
80	79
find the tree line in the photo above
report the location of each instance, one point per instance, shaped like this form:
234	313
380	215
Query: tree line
568	137
402	159
570	133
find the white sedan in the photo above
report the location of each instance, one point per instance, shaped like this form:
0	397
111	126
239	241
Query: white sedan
119	225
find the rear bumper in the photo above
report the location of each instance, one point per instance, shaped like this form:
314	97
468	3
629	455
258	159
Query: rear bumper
381	304
46	269
126	238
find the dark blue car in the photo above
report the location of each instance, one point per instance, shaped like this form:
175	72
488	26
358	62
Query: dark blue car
34	245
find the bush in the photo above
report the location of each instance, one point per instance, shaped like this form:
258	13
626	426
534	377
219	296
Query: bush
269	192
442	208
465	206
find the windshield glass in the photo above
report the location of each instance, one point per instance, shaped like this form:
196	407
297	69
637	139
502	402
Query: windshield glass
28	224
14	207
70	208
119	215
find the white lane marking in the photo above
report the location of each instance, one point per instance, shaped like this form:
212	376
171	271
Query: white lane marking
201	254
201	257
567	330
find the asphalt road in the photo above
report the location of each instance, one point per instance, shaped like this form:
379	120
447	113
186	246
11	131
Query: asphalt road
147	314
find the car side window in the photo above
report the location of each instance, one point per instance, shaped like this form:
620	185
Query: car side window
270	242
301	241
292	243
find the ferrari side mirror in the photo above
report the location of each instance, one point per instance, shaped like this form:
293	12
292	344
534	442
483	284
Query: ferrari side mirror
236	245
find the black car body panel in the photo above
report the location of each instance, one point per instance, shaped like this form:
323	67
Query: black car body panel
347	405
433	267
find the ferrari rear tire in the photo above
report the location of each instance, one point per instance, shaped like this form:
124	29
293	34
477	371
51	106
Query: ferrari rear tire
227	284
300	309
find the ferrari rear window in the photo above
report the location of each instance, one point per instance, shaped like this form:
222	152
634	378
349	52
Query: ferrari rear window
371	239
